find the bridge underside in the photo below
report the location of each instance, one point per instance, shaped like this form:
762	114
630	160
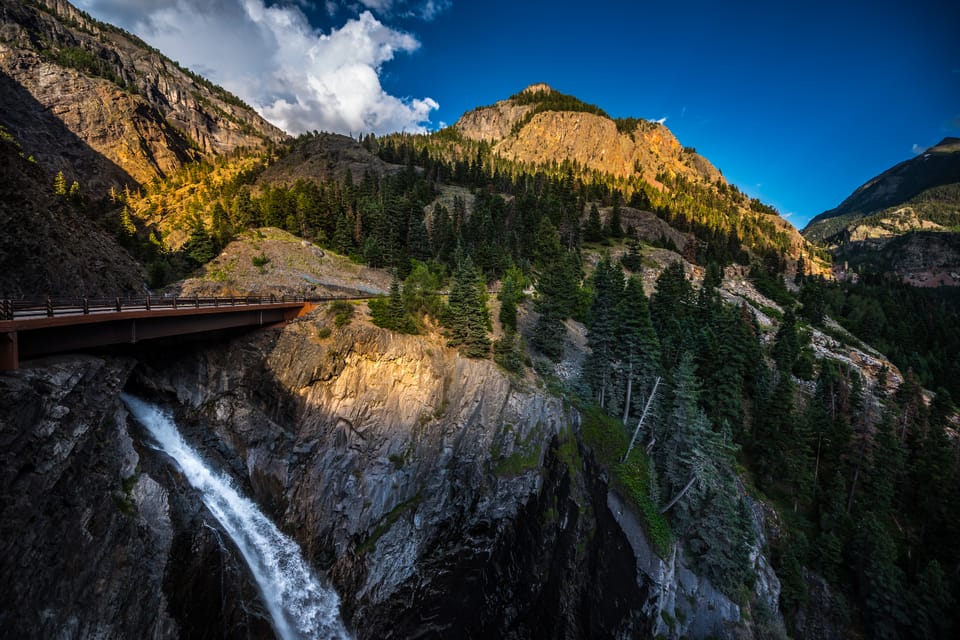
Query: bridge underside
36	341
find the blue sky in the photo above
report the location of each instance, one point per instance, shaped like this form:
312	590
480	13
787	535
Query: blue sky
797	103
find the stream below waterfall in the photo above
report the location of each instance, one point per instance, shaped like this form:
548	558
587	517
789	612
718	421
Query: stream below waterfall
300	606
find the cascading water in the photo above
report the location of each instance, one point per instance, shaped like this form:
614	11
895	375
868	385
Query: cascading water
300	607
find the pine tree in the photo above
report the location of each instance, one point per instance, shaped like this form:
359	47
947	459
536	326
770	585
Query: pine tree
558	279
466	317
199	245
60	185
880	579
883	476
593	232
615	224
508	352
671	311
786	345
931	604
639	348
342	236
603	328
632	260
685	455
390	312
510	292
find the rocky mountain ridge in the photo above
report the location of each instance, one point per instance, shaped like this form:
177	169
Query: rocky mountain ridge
520	132
905	221
91	100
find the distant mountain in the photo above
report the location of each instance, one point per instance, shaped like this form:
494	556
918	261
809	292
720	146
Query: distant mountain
100	105
904	221
541	129
540	125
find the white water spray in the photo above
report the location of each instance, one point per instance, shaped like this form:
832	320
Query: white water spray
300	607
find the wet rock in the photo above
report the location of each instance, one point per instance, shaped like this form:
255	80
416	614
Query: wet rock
84	534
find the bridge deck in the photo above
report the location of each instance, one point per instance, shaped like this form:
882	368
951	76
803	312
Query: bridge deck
29	330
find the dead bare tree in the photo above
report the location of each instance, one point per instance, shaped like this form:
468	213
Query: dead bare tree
643	417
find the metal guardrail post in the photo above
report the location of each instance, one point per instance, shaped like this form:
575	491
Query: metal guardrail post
119	304
174	302
7	309
147	302
196	301
86	305
49	307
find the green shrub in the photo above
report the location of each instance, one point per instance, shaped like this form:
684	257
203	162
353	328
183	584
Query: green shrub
342	312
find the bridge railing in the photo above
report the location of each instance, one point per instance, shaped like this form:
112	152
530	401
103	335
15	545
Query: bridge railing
18	309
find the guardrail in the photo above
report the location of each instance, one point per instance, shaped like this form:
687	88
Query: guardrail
50	307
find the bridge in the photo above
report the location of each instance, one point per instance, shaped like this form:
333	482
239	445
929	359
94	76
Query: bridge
33	328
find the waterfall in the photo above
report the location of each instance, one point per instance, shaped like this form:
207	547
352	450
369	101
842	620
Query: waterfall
300	607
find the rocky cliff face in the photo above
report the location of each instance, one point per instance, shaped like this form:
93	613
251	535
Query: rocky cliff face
100	105
442	498
85	537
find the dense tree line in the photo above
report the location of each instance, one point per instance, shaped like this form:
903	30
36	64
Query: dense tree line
865	483
916	328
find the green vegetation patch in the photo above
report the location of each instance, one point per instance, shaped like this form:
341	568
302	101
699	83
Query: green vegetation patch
386	522
608	440
526	457
342	312
569	454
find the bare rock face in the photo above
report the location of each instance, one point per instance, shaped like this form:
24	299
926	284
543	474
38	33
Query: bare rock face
492	124
103	107
84	535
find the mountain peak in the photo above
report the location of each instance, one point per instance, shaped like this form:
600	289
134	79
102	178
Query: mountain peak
539	87
948	145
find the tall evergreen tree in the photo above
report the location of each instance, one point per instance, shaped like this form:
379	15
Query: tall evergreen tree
670	309
593	232
467	318
639	348
603	328
557	283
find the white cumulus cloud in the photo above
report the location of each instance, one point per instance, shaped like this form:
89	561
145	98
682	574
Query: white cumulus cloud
298	77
